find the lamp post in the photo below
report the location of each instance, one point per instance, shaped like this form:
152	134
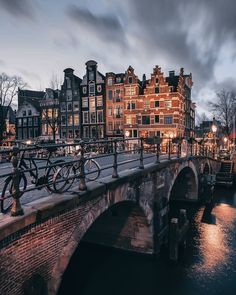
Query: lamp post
225	142
169	148
214	129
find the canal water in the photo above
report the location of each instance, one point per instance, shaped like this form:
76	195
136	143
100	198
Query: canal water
206	266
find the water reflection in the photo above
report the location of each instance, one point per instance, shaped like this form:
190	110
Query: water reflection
207	266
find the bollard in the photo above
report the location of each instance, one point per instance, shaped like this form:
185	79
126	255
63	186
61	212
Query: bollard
158	153
16	209
182	217
141	166
115	172
82	183
173	247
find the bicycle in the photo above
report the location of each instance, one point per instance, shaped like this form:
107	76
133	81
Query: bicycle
66	175
28	165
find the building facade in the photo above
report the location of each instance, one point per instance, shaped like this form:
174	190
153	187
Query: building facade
155	107
69	101
28	116
50	115
115	105
93	102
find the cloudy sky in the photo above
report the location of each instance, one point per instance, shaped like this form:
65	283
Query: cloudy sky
39	38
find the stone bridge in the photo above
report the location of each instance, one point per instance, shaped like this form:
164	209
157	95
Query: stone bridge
129	212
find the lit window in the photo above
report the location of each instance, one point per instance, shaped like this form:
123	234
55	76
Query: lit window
130	91
70	120
109	111
92	104
99	101
76	119
146	104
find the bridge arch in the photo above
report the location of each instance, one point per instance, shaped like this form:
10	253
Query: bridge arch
89	221
184	185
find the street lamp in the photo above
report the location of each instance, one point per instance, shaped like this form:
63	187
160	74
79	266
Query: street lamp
170	139
225	142
214	129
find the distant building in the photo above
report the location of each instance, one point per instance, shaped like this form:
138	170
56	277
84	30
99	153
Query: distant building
115	92
93	102
28	116
70	101
9	133
50	115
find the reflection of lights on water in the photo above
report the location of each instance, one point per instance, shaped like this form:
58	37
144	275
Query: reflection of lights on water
214	241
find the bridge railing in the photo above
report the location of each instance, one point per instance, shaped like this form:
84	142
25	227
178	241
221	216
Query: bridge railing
56	166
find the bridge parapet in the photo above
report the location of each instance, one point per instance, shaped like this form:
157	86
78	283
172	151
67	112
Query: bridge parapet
44	239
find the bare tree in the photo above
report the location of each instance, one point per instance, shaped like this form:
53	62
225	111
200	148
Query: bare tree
55	82
52	119
224	108
8	90
200	118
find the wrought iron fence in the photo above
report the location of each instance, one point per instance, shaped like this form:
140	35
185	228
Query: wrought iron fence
65	163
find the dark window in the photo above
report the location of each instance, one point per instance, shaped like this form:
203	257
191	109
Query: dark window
24	113
168	120
130	80
156	118
157	103
128	105
145	120
158	133
29	112
110	94
135	134
133	105
156	80
156	89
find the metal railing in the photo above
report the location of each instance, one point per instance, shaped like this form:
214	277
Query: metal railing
120	153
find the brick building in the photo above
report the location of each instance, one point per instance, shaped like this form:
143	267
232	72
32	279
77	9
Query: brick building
156	107
115	105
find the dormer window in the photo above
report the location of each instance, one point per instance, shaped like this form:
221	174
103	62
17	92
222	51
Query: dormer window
109	82
24	113
29	113
91	76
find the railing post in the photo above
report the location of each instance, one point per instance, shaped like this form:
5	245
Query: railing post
157	152
82	183
141	166
179	150
115	172
169	149
16	209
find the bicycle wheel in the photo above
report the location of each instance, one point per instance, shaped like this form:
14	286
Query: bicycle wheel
50	174
64	178
91	170
6	196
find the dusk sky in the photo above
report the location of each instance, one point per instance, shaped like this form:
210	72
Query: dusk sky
43	37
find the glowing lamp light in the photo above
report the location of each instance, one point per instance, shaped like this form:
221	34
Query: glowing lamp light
28	142
225	139
127	133
214	128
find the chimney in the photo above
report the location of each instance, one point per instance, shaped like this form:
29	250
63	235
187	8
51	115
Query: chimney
144	80
171	73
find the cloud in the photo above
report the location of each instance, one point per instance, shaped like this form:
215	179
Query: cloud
18	8
107	27
2	63
188	33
